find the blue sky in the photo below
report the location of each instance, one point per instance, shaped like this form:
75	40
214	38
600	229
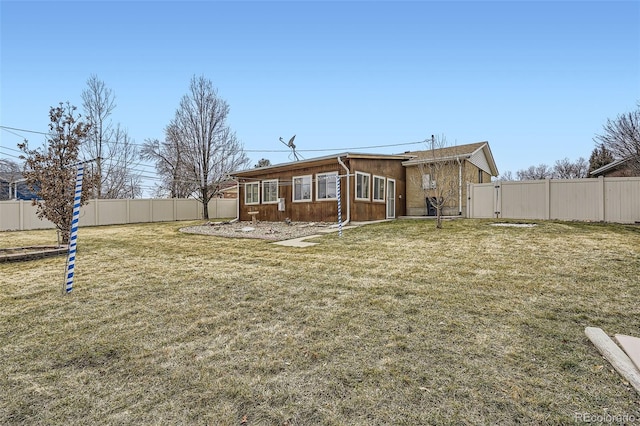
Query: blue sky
536	79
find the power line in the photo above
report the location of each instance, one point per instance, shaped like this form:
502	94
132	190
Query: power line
8	129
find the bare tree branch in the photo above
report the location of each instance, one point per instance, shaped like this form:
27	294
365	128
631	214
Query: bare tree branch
622	138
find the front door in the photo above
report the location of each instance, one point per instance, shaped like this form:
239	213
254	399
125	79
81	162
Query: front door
391	199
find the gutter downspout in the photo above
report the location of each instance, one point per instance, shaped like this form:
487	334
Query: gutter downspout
237	219
348	192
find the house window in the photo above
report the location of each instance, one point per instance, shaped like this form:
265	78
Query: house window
326	186
252	193
302	188
427	182
362	186
480	176
270	191
378	188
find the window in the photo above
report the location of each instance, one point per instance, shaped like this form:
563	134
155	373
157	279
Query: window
252	193
378	188
362	186
427	182
270	191
302	188
480	176
326	186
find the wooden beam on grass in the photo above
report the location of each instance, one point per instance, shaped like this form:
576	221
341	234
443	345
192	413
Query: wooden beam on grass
618	359
631	346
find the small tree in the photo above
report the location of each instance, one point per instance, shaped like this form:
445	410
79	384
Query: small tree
48	170
438	173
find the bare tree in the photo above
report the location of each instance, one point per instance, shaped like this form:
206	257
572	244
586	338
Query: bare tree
539	172
438	172
170	166
506	176
110	145
48	170
567	169
622	138
211	150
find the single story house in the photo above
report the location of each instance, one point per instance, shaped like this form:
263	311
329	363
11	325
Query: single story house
372	186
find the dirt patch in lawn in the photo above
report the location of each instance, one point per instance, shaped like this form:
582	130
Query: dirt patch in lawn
273	231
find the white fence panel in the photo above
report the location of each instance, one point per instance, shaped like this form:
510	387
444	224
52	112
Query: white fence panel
523	200
603	199
622	200
484	205
21	215
575	199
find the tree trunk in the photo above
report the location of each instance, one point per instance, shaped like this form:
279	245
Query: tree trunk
205	202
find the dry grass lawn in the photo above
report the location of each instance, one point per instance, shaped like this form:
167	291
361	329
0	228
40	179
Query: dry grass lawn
394	323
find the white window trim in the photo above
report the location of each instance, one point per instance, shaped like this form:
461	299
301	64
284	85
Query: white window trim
293	189
263	194
318	175
368	198
384	188
246	192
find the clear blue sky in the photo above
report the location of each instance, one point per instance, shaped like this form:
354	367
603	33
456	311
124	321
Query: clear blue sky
536	79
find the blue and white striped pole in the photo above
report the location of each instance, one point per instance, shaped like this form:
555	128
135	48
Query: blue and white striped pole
73	238
339	206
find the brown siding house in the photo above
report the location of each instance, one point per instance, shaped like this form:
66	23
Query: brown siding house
372	187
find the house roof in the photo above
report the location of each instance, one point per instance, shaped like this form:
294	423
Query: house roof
609	167
316	161
478	153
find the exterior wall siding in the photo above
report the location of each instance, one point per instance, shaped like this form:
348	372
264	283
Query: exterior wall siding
325	210
416	196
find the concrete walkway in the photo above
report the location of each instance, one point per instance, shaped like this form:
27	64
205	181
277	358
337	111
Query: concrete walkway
300	242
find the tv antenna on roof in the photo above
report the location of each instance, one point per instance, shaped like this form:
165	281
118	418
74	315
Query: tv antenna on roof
292	146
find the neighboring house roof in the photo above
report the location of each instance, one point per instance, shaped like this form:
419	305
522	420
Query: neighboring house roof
317	160
608	168
478	154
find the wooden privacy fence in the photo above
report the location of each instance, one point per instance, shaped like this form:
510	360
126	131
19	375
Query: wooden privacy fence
612	199
20	215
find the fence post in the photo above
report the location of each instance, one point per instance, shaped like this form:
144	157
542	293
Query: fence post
602	197
175	209
547	198
21	215
96	215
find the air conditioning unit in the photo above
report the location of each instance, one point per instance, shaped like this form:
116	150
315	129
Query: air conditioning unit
280	204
